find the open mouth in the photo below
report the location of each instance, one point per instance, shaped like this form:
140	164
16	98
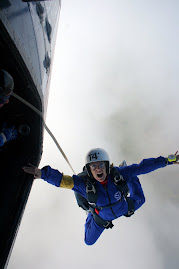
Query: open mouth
100	175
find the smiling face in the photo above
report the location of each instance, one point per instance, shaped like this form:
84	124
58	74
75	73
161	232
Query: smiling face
98	170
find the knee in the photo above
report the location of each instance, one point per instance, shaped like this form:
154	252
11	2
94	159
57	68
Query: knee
92	233
89	242
91	238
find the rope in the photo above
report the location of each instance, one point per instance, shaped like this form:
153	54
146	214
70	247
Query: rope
45	126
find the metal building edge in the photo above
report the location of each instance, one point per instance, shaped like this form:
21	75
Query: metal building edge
23	57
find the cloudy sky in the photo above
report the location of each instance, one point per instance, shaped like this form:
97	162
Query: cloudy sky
114	85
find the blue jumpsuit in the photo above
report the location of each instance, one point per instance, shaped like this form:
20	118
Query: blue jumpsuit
108	195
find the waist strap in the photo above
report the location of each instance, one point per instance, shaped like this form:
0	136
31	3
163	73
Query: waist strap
93	205
101	222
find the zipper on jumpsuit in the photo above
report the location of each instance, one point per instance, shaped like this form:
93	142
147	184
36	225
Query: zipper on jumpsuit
110	202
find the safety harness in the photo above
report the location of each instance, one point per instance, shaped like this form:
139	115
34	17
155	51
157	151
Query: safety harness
89	203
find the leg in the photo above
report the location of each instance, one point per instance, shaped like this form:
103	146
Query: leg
136	192
92	230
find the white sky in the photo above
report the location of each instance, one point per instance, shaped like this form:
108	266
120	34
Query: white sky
114	85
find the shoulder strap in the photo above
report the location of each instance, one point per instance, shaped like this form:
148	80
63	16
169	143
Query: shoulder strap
131	208
122	186
119	181
91	192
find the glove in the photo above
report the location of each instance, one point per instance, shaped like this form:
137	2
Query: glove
8	134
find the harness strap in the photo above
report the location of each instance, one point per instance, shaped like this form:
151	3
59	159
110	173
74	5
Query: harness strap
105	206
89	204
101	222
91	192
120	182
131	209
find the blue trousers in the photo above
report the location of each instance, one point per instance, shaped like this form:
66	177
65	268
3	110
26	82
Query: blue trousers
93	230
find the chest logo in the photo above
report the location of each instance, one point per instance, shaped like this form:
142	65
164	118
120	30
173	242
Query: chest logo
117	195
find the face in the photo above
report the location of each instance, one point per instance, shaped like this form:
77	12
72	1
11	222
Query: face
98	170
4	99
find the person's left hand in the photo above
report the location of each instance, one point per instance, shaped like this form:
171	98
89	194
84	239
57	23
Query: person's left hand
177	158
33	170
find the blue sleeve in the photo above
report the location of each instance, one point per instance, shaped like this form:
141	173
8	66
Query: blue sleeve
58	179
144	167
52	176
79	185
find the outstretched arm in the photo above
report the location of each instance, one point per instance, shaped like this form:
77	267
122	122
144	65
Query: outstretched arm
148	165
57	178
50	175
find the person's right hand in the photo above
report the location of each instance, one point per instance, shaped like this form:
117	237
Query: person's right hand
10	133
31	169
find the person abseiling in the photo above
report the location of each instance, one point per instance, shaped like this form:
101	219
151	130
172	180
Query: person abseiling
109	192
6	89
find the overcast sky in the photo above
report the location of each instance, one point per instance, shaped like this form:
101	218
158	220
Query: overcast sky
114	85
